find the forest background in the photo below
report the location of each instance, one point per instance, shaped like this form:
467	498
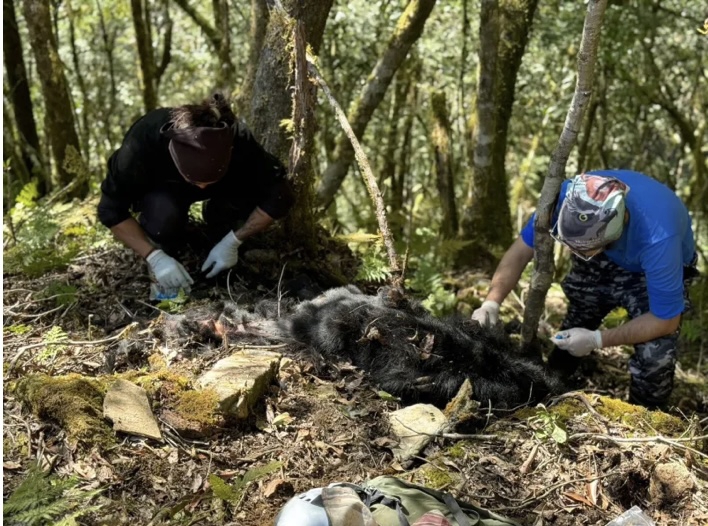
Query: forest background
458	104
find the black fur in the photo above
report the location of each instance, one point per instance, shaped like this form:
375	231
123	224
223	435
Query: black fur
411	354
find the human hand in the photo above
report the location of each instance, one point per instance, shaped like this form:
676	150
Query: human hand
578	342
487	314
224	255
168	272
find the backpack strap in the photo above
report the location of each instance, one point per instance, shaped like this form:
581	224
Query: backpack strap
454	507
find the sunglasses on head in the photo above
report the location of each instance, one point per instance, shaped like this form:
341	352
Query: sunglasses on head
581	255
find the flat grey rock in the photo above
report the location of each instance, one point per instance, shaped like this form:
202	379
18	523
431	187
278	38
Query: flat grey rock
127	406
241	379
414	427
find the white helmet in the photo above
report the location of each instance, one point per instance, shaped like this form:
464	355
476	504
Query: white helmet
305	509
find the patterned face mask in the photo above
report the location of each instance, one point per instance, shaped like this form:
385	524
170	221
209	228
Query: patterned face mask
592	214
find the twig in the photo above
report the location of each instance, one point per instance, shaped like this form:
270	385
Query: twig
369	179
26	348
551	490
675	442
280	296
228	284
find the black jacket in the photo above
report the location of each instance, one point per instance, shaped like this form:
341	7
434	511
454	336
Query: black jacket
143	164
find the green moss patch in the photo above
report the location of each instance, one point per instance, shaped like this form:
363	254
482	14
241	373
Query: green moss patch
73	401
198	406
640	417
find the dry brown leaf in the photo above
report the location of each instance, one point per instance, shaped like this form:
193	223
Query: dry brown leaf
577	497
277	486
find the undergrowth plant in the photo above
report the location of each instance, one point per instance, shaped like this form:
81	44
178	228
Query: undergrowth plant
43	500
46	236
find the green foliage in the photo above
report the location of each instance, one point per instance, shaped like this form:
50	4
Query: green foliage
232	493
428	279
549	426
44	499
174	305
48	237
53	339
63	293
18	329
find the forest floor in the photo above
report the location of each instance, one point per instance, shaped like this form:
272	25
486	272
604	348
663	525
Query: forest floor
582	459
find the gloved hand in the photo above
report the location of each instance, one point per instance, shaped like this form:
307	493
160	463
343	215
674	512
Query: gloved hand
168	271
487	314
224	255
578	342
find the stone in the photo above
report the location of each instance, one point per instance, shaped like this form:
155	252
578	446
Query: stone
127	406
414	427
670	482
241	380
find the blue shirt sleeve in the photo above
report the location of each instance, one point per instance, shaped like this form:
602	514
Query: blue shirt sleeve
663	267
527	233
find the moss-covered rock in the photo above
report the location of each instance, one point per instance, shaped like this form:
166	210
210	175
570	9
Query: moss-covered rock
198	406
640	417
73	401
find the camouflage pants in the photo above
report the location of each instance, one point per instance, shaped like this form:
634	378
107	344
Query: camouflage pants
593	289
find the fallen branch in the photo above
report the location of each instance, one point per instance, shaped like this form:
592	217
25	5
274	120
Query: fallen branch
369	179
673	442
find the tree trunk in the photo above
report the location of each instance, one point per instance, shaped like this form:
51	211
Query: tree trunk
259	23
480	219
83	122
487	217
61	129
108	40
408	30
150	70
442	148
543	244
147	60
20	97
271	103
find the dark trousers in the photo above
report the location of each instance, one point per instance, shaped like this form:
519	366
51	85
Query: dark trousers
163	216
593	289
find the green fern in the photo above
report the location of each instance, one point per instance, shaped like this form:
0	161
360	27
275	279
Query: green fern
232	492
44	499
53	339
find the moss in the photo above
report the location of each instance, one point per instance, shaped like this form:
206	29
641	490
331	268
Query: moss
154	381
434	476
640	417
198	406
73	401
565	410
157	362
457	451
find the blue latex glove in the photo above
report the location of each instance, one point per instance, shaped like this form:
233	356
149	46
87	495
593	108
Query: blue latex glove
224	255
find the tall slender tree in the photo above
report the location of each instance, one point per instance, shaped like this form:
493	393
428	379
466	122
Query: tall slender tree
20	95
60	126
151	71
442	148
408	29
486	218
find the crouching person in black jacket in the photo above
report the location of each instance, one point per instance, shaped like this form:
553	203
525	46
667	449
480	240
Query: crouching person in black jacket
173	157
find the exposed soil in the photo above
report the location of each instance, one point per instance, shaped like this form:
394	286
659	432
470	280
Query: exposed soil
322	423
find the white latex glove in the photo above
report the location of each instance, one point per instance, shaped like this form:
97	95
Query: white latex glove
578	342
168	271
224	255
487	314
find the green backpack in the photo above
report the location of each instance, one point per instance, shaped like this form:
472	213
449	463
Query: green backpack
393	502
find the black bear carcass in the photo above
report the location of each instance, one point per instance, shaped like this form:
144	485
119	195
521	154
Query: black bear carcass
411	354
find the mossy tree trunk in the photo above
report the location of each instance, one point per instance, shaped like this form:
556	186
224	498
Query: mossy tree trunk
408	30
272	103
60	125
257	32
20	98
442	147
486	218
543	244
150	70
